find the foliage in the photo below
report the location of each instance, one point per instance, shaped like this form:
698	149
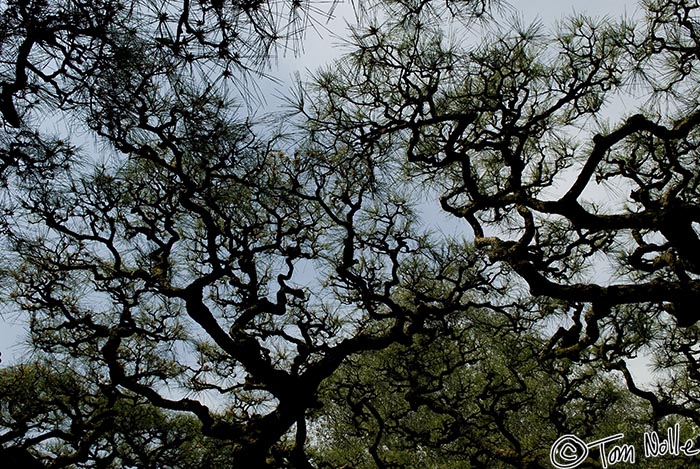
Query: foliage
467	393
588	209
78	424
208	290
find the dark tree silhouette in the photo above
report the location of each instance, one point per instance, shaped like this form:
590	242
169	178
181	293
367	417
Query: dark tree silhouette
592	212
188	261
173	255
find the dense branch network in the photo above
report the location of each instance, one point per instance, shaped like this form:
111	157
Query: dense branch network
191	255
193	263
594	210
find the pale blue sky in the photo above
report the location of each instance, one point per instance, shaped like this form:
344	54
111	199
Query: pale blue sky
320	46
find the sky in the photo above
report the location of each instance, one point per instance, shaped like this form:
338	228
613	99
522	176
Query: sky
322	42
319	48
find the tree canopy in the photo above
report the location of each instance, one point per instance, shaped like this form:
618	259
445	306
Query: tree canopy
516	136
207	290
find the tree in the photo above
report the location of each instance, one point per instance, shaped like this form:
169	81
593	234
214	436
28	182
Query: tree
161	267
229	279
469	392
75	423
591	211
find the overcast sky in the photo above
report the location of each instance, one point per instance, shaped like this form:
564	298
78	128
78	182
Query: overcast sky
322	43
318	49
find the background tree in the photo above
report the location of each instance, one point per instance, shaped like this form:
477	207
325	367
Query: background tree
78	424
470	392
